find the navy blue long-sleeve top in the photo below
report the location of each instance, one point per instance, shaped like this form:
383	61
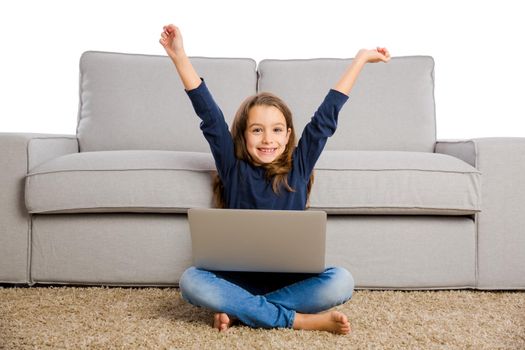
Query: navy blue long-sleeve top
245	185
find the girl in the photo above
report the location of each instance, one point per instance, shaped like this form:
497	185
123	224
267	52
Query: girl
259	165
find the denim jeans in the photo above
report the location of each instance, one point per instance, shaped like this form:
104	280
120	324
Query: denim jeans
266	300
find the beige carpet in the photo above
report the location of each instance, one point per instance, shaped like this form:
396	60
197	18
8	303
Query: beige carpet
154	318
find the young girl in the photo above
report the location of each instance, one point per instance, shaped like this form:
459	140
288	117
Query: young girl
259	165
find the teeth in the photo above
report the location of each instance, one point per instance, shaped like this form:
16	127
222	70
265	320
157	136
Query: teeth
267	150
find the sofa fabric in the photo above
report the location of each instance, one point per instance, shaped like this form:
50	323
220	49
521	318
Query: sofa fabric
501	223
346	182
137	102
108	205
404	252
395	182
391	106
21	152
121	181
401	252
129	249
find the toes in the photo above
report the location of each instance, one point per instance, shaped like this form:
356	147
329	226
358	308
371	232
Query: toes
346	329
224	318
339	317
216	321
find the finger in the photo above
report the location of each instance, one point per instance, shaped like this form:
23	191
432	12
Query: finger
163	35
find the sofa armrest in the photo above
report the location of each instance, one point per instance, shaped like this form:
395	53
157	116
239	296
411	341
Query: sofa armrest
501	223
20	153
462	149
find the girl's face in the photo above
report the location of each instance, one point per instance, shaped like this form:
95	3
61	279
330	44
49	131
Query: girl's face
266	134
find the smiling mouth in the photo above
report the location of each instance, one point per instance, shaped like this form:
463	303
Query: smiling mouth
267	150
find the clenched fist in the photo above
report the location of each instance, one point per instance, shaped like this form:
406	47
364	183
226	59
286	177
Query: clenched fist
171	40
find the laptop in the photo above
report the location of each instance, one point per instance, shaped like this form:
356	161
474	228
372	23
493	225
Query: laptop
258	240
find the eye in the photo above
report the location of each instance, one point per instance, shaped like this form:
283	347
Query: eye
256	130
278	130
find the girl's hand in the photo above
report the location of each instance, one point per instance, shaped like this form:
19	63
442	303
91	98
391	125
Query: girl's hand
374	55
171	40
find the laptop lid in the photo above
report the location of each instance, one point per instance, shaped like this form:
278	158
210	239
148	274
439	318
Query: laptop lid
258	240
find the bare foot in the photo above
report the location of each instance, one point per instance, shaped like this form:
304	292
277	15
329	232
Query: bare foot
222	321
331	321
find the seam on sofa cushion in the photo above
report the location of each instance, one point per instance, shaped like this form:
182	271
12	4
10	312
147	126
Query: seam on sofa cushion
465	211
53	138
29	225
149	210
30	250
383	207
113	170
174	209
209	170
480	201
463	286
422	170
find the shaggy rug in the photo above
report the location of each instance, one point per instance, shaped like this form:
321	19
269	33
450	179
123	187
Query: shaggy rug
157	318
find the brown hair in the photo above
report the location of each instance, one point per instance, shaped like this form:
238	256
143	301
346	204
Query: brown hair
277	170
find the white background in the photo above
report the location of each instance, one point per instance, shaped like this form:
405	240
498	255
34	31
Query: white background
478	48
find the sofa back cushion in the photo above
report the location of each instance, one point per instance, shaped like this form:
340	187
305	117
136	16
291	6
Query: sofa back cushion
137	102
391	106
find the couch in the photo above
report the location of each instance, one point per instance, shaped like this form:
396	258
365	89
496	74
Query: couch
107	206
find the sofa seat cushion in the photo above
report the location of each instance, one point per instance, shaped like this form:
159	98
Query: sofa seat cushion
395	182
121	181
346	182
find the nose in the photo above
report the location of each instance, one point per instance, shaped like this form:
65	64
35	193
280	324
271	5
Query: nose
266	138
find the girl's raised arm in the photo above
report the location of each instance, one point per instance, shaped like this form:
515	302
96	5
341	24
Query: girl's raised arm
171	40
364	56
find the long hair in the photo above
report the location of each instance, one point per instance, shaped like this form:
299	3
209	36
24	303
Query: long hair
276	171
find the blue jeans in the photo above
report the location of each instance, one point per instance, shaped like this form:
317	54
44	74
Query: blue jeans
266	300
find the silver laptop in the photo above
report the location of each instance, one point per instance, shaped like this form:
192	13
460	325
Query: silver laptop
258	240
